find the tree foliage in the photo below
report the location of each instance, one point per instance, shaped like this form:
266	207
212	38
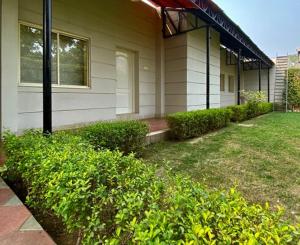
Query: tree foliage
293	88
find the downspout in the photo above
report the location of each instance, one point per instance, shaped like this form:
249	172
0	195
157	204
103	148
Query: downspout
239	77
47	78
208	37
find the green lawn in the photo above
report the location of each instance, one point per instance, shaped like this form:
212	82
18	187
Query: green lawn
261	157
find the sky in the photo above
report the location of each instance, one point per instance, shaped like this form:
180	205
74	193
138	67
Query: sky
274	25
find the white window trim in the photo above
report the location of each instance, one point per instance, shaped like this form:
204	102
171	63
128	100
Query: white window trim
57	32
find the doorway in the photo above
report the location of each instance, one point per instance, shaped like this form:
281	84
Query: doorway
125	91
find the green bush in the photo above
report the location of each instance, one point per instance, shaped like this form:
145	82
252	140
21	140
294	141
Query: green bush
184	125
293	89
87	189
125	136
264	108
250	110
239	113
115	199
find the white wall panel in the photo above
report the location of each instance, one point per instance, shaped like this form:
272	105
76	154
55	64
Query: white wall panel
109	25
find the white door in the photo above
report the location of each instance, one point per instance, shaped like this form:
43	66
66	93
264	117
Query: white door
125	81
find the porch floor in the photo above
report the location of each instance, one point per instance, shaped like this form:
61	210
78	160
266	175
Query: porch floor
156	124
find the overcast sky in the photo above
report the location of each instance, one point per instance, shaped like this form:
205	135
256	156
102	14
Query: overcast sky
274	25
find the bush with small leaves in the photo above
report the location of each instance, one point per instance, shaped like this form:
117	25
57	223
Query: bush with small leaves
116	199
184	125
125	136
250	110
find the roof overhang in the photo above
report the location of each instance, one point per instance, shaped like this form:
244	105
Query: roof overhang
232	36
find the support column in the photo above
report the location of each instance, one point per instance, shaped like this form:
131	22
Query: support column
268	84
259	76
208	38
160	72
239	77
164	20
9	64
47	79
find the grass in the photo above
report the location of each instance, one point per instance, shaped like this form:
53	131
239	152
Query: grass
260	156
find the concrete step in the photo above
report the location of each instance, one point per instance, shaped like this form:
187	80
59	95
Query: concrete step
157	136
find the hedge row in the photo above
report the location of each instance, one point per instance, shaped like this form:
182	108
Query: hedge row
247	111
125	136
184	125
115	199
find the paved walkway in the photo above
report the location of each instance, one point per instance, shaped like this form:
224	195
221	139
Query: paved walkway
17	225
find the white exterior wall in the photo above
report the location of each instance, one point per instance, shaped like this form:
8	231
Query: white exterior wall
9	64
196	70
186	71
272	83
228	98
109	25
171	73
251	80
176	74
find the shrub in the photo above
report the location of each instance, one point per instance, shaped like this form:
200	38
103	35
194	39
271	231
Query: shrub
250	110
125	136
239	113
115	199
254	96
87	189
264	108
293	89
184	125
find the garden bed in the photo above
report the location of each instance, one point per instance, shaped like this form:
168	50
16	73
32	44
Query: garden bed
107	197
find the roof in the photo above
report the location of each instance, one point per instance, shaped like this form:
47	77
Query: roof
232	36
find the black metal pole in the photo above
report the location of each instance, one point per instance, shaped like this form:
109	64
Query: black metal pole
268	84
239	77
47	86
259	76
208	37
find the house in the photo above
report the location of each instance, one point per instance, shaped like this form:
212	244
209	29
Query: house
124	59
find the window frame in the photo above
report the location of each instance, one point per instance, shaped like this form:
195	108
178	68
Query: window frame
57	33
233	83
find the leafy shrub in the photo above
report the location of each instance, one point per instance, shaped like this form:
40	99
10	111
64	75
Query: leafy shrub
125	136
254	96
184	125
115	199
239	113
89	190
250	110
293	88
264	108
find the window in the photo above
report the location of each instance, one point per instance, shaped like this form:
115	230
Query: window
231	84
69	58
222	83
